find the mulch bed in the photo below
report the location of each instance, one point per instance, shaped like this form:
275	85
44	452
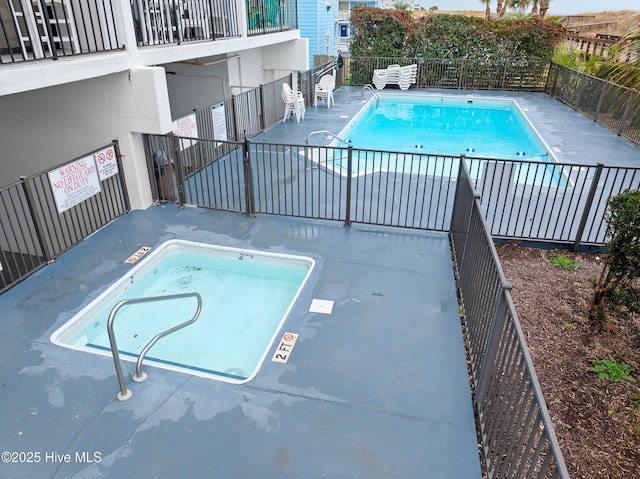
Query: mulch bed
597	421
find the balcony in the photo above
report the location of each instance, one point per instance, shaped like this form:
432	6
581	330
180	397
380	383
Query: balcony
160	22
52	29
41	29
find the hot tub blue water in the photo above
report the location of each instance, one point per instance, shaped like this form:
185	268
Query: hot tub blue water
246	296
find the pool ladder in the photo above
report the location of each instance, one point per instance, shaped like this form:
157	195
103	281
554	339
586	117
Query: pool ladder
140	376
373	92
318	132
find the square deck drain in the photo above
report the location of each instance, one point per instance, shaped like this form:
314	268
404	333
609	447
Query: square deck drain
322	306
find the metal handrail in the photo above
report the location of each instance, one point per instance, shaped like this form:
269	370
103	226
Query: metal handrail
370	88
317	132
326	132
124	393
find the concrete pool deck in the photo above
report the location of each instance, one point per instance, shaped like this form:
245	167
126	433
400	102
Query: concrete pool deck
378	388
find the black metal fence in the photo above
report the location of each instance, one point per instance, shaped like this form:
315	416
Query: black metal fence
540	202
546	202
612	106
43	215
458	73
160	22
518	438
32	30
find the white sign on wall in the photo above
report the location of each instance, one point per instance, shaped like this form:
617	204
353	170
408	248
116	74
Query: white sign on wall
107	162
219	122
74	182
187	126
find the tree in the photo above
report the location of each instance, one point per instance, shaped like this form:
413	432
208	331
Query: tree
544	6
502	8
521	5
628	73
534	8
487	10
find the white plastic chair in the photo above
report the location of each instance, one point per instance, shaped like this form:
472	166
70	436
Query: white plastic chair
293	103
324	89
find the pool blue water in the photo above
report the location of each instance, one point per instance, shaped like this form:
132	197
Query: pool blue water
244	302
446	126
419	134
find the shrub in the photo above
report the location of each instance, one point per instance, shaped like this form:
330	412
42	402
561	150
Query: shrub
392	33
622	264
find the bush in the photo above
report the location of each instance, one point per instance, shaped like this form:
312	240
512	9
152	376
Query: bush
622	264
392	33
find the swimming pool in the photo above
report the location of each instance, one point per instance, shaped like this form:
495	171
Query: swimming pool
426	134
446	125
246	296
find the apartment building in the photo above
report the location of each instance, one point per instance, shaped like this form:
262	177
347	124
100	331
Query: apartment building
317	21
343	24
75	75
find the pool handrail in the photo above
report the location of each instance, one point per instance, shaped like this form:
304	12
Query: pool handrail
327	132
125	393
317	132
373	92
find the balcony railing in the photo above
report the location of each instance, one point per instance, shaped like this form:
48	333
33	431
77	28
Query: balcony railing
50	29
39	29
268	16
159	22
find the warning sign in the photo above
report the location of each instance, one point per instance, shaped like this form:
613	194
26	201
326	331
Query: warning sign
219	122
107	163
186	126
74	182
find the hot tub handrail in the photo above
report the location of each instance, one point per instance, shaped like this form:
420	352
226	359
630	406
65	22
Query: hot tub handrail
124	393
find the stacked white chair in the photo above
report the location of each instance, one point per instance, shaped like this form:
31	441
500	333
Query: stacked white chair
404	77
407	76
324	89
293	103
382	76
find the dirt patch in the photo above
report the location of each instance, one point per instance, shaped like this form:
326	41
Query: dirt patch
597	421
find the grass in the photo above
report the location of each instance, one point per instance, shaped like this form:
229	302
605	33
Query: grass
611	370
563	262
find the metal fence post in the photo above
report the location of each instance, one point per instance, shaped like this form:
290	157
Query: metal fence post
555	79
123	180
587	206
235	117
600	101
36	223
178	170
248	178
493	341
580	89
627	108
347	220
261	119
